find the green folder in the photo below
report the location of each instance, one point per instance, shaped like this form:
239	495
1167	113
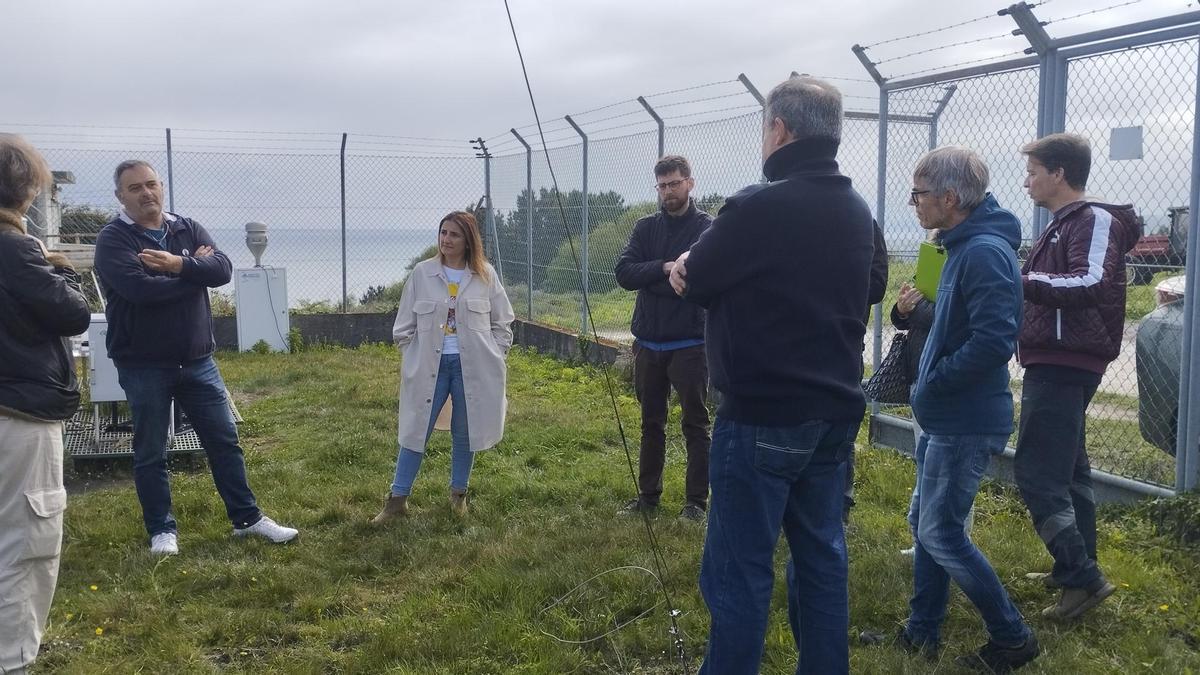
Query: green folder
930	260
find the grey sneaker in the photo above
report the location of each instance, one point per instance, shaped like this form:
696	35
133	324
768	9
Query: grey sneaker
164	543
636	506
693	513
1046	578
268	529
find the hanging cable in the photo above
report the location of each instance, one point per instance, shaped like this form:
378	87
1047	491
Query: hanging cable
659	560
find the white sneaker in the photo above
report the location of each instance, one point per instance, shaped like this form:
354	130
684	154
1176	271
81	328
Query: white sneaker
164	543
909	552
268	529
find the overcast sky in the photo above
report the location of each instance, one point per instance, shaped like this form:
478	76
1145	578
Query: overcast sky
449	68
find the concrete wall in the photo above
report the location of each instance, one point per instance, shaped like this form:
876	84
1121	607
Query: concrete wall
896	432
352	330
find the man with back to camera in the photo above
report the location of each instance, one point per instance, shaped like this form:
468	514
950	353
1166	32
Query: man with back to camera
155	269
784	272
1074	284
669	346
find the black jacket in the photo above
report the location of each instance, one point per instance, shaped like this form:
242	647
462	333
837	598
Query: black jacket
659	315
158	319
40	306
879	268
784	271
918	322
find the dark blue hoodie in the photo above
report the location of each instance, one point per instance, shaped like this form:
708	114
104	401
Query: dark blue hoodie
962	383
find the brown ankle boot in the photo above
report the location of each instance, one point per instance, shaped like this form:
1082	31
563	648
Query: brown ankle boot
393	507
458	502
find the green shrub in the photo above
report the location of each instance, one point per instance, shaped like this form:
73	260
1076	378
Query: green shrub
605	244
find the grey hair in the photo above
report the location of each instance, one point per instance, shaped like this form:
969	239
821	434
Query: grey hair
809	107
127	165
954	168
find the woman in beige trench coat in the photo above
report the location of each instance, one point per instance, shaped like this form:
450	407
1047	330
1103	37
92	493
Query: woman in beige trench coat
454	327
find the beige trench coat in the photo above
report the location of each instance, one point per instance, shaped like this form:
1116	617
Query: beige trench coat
485	319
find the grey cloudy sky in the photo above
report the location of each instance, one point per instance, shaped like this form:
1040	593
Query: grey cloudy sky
449	69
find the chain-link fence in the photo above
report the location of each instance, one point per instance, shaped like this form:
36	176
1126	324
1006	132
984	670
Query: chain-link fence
396	191
1134	99
348	215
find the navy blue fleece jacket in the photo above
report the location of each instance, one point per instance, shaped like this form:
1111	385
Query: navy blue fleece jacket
962	382
158	319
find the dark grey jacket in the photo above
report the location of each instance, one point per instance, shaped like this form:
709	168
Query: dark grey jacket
40	306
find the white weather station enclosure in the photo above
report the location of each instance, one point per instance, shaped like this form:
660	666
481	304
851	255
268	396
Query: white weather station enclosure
262	302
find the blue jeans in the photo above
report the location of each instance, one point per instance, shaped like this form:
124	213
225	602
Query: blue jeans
765	479
408	462
198	389
949	469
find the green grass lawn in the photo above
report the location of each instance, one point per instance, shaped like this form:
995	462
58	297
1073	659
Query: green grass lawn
434	594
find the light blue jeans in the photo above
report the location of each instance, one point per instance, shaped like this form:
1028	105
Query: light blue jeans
408	462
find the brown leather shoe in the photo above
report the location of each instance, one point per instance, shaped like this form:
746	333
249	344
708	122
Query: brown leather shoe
393	507
458	502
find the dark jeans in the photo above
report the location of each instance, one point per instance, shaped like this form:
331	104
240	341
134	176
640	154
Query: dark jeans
1053	472
654	373
198	389
949	469
767	479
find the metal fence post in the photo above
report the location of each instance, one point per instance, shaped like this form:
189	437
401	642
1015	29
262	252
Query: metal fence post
342	172
937	114
659	121
583	238
170	175
1187	439
761	102
1029	26
490	213
528	224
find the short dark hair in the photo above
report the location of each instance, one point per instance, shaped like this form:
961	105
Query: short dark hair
671	163
1070	152
127	165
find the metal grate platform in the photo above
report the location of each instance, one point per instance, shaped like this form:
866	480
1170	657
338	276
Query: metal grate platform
114	438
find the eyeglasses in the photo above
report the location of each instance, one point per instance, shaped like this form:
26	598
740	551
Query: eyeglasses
663	187
912	196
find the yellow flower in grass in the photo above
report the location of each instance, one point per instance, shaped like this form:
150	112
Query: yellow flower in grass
94	588
99	631
1164	607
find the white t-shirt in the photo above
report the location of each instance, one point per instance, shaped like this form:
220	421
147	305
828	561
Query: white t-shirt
450	342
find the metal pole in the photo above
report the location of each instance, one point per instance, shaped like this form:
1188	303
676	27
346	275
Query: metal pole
761	101
937	114
752	89
342	171
881	217
659	121
1187	440
491	213
528	224
583	238
1031	28
170	175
